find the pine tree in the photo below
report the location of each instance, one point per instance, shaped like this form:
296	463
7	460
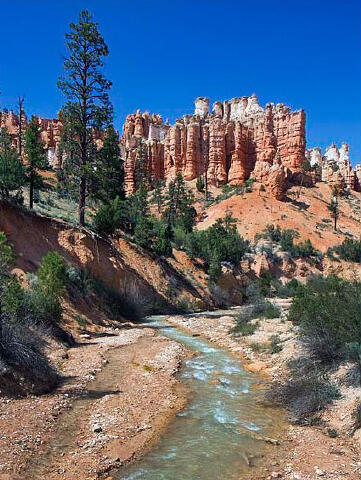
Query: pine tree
36	159
158	197
12	175
334	209
88	108
108	181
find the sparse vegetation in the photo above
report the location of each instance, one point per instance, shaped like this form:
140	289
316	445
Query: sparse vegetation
27	317
349	250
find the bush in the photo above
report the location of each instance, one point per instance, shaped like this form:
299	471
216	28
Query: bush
52	274
349	250
303	394
328	312
285	238
108	217
219	243
23	365
271	311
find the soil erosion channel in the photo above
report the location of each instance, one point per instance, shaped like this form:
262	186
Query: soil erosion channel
218	434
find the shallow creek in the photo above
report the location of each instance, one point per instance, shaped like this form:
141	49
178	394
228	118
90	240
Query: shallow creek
214	437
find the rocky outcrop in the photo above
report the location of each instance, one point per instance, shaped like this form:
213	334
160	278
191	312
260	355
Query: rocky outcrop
50	132
334	167
237	140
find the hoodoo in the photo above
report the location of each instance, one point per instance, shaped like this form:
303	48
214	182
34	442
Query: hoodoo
237	140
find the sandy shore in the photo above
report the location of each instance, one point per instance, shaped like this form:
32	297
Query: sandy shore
304	453
119	395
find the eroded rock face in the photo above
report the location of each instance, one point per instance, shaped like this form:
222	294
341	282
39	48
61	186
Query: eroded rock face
50	132
335	166
238	140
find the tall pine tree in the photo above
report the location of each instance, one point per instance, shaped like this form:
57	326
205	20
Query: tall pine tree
88	107
36	159
12	175
108	179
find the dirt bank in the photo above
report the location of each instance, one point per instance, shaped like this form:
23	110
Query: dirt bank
305	452
122	390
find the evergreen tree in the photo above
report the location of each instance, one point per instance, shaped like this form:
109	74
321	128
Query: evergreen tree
180	210
108	181
200	184
12	174
141	170
334	209
158	197
88	107
36	159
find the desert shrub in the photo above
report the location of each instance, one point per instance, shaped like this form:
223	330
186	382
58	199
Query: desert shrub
244	325
303	395
285	238
328	312
286	290
271	311
275	344
357	416
349	250
23	366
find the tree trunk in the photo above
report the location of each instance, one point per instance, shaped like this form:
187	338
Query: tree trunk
81	205
31	192
335	223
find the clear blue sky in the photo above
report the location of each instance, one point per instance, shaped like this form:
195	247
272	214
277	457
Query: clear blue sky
163	54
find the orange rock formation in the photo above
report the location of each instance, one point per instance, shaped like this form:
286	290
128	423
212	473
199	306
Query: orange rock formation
238	140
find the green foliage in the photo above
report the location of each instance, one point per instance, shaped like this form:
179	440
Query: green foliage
179	210
88	108
304	393
215	269
25	315
275	345
285	238
219	242
200	184
51	274
158	197
107	182
12	171
36	159
108	217
162	244
349	250
271	310
245	324
143	232
328	312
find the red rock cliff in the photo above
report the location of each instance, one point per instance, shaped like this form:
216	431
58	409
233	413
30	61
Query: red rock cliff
238	140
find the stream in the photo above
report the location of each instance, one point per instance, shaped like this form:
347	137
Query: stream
213	438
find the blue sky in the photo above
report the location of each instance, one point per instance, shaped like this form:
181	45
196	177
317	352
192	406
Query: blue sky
163	54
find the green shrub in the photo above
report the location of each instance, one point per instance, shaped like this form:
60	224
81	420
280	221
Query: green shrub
349	250
108	217
328	312
275	345
304	395
271	311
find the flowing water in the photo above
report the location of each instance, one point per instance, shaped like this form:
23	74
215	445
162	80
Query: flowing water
213	438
